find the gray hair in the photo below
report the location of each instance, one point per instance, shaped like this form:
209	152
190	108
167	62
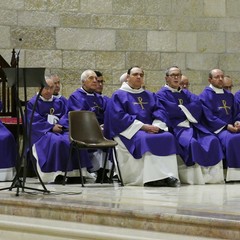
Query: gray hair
169	69
85	75
47	77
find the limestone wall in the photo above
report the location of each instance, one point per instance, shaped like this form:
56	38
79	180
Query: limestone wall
69	36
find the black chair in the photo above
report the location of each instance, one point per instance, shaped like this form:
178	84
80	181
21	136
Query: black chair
86	133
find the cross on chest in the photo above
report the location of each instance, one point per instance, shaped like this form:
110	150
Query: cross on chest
140	102
96	105
51	111
180	101
225	107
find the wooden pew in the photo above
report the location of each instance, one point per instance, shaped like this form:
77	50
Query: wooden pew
8	114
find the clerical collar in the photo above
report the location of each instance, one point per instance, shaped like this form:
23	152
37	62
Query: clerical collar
46	100
216	90
88	93
57	95
173	89
125	86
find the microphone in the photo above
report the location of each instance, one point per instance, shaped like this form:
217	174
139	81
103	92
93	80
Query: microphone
20	40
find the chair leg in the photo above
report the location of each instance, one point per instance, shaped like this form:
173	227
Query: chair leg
105	164
80	167
112	172
69	160
117	165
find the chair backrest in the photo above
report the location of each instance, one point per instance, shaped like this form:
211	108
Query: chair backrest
84	126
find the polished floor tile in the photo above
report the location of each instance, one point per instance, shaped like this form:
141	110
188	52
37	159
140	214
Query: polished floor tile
200	210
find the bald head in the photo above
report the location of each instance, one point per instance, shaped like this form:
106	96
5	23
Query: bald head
57	83
216	77
48	90
227	83
123	78
49	81
184	82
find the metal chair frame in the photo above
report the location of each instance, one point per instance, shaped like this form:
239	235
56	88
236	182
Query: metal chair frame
86	133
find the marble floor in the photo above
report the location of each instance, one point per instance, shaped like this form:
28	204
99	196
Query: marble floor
109	211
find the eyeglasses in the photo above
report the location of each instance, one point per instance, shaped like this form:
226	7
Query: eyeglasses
174	75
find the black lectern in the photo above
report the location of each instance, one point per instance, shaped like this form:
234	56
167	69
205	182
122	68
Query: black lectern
25	77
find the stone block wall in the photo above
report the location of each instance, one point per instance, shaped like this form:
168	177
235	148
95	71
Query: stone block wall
69	36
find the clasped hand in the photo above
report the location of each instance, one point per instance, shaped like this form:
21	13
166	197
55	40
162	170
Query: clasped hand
150	128
57	128
234	128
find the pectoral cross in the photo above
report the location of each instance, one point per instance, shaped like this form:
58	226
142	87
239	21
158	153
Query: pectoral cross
180	101
140	102
96	106
225	106
52	111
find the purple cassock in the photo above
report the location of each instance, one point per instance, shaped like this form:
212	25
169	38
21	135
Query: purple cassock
81	100
237	98
219	110
62	98
8	151
198	144
125	107
52	148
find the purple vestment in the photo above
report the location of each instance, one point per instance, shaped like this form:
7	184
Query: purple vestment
198	144
52	148
237	100
8	151
81	100
125	107
219	110
62	98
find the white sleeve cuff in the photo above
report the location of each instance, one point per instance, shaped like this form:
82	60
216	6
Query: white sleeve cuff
219	130
160	124
188	115
184	124
132	129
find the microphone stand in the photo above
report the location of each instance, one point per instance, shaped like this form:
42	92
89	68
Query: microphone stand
17	182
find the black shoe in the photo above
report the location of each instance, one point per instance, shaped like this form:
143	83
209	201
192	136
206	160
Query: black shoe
106	179
59	179
75	180
167	182
100	176
157	183
172	182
